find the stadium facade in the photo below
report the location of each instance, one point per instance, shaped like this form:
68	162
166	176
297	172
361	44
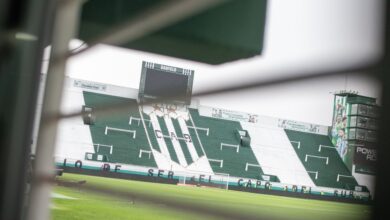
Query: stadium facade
207	146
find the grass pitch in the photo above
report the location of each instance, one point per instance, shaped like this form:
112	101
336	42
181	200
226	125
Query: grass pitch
80	204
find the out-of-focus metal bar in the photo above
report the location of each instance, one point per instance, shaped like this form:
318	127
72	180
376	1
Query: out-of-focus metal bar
24	28
382	190
66	21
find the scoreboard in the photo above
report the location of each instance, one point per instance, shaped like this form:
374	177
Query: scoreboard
171	84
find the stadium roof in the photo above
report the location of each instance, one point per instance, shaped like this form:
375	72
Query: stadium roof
212	32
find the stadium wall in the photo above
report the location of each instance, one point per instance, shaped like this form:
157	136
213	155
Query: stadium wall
125	171
160	176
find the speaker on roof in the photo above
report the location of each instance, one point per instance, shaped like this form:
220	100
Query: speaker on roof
244	137
88	117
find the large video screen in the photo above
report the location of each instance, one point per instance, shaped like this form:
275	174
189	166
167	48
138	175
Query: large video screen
172	84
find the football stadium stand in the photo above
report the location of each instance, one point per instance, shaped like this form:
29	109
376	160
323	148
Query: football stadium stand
321	160
223	149
276	154
197	139
123	139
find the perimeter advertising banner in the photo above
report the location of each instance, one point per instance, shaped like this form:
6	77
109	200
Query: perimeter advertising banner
258	120
299	126
206	179
365	156
233	115
89	85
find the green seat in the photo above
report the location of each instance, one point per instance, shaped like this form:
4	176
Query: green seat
224	131
126	149
334	174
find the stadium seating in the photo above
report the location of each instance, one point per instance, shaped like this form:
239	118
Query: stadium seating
276	154
223	131
126	149
118	130
149	129
122	139
321	160
119	139
182	142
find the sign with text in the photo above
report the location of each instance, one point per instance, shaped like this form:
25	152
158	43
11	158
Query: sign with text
233	115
